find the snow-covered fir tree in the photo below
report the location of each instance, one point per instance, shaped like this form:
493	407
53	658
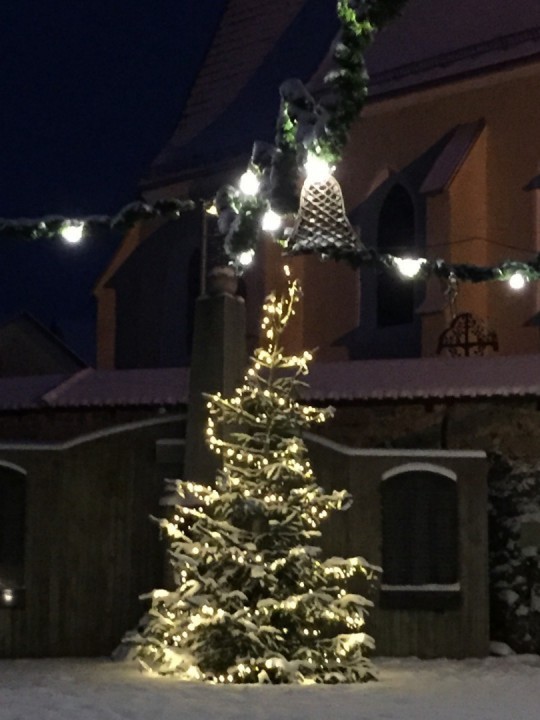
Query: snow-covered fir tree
253	601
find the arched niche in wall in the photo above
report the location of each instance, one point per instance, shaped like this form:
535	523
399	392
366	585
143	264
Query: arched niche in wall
420	536
12	533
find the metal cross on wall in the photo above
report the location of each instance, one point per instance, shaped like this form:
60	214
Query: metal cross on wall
467	335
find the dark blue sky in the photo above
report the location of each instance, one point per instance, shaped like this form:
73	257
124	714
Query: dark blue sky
90	91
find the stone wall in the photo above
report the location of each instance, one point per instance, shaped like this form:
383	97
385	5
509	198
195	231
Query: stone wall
510	426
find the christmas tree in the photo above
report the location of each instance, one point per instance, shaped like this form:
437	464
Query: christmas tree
253	601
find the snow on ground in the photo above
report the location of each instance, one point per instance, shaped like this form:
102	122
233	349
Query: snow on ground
410	689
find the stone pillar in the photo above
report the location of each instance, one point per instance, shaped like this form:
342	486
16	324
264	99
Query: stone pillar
217	364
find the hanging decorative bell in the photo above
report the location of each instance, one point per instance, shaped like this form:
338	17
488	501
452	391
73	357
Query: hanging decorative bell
321	223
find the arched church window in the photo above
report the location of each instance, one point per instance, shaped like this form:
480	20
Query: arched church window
395	235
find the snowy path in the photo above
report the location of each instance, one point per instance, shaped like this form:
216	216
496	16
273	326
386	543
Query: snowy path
491	689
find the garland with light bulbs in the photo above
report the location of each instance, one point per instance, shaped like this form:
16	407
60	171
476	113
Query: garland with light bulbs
314	134
310	139
73	229
308	130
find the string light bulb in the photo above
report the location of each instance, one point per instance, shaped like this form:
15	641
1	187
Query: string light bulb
245	258
72	232
317	169
517	281
249	183
409	267
271	221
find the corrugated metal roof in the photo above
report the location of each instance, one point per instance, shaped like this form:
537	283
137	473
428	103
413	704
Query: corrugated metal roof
426	378
97	388
110	388
361	380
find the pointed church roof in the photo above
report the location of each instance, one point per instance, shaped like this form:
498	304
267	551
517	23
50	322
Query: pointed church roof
235	99
29	348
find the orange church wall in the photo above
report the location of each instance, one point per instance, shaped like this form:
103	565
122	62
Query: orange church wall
330	304
484	215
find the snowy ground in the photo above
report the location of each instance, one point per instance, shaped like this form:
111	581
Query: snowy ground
490	689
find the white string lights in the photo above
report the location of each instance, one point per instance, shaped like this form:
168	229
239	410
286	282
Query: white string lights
249	183
517	281
409	267
317	169
318	172
72	232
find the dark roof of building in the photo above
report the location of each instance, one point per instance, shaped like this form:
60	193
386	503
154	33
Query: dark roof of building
435	40
437	378
296	50
29	348
461	141
24	393
426	378
121	388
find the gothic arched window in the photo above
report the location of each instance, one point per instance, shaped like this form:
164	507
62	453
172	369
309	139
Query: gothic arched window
395	235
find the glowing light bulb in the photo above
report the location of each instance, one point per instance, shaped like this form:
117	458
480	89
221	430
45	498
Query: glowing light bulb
249	183
409	267
317	169
271	221
245	258
517	281
8	596
72	232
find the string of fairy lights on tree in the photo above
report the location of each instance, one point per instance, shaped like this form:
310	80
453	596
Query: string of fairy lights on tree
252	598
310	139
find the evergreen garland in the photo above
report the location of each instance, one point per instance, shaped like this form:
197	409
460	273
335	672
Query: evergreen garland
464	272
128	216
305	124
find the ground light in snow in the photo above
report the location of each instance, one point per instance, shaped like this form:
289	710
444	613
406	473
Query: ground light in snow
409	689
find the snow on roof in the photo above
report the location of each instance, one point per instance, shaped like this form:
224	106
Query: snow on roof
360	380
97	388
160	386
426	378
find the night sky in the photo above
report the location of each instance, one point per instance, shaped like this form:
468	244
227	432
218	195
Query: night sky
90	92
